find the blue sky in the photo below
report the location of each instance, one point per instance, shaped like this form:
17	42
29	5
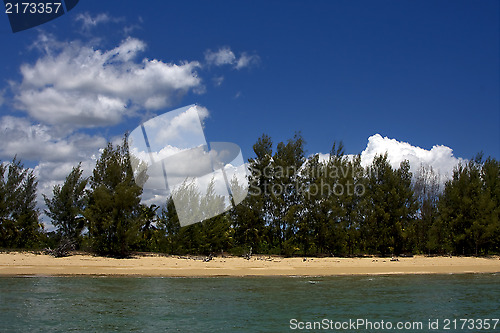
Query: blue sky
424	73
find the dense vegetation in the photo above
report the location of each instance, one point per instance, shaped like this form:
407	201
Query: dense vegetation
297	205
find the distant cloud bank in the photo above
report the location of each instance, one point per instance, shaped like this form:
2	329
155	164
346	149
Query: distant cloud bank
439	157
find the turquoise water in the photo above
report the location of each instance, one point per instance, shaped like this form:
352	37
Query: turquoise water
122	304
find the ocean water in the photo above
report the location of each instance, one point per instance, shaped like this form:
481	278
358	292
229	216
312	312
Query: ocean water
261	304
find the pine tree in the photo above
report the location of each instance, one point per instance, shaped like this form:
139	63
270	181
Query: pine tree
459	207
390	206
490	205
19	225
250	219
312	219
27	215
284	191
66	206
427	190
150	237
8	230
113	211
169	228
469	207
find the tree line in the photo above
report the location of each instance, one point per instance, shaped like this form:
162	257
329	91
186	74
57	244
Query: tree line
297	205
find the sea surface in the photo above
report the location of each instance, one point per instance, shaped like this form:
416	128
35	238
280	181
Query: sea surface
260	304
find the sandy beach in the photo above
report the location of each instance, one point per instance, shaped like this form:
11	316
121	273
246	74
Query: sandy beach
25	263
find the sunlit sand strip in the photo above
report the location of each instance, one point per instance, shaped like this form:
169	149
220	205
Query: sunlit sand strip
28	264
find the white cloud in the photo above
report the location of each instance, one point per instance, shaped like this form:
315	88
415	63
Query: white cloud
323	158
179	168
247	60
53	173
185	125
75	85
35	142
56	151
224	56
170	132
89	21
440	158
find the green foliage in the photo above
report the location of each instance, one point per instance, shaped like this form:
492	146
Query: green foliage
469	208
284	191
150	237
19	225
169	222
305	205
250	218
423	234
113	212
66	206
490	206
296	205
390	207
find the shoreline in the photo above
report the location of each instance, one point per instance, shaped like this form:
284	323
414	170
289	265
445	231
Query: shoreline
153	265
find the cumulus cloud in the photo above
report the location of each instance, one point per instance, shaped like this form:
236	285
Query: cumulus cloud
35	142
183	127
224	56
50	174
169	133
440	158
75	85
56	152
